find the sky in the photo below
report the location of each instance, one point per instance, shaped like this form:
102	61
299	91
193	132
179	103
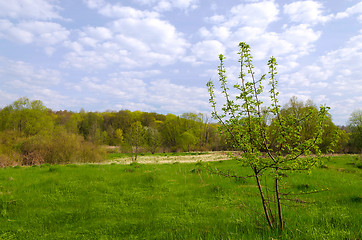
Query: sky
157	55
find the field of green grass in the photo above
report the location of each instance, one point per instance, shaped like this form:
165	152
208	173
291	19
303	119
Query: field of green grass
173	201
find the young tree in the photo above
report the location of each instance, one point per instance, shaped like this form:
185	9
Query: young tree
135	137
171	131
355	126
118	136
153	139
187	140
243	122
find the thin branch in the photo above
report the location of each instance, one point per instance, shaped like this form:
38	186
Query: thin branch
303	193
262	129
227	175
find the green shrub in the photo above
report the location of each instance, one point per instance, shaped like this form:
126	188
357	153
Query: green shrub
8	154
59	148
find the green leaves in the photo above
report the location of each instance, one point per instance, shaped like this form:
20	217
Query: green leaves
28	117
273	146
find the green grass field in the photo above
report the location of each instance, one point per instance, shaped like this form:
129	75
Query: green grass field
172	201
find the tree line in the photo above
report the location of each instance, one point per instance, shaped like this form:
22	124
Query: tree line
32	133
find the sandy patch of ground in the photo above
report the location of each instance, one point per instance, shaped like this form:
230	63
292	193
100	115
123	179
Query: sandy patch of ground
214	156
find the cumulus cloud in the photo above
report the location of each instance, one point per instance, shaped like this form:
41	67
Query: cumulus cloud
131	90
244	22
167	5
115	87
25	9
250	23
354	10
174	98
330	79
208	50
94	3
118	11
306	12
215	19
301	37
7	97
143	40
133	34
20	78
30	22
11	71
259	14
41	33
98	33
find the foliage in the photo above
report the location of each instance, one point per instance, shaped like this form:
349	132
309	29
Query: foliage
31	123
31	134
59	148
152	139
355	127
308	111
163	133
187	140
267	149
135	137
118	136
23	116
9	156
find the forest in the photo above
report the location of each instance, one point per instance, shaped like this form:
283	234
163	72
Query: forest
31	133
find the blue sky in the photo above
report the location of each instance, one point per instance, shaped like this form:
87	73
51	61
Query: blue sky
157	56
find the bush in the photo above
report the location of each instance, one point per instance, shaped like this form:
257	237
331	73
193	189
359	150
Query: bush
59	148
8	154
10	158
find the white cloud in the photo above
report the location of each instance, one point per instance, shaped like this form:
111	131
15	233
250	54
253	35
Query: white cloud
335	79
215	19
221	33
34	9
306	12
25	73
167	5
133	35
19	78
7	97
329	80
94	3
259	14
173	98
118	11
249	23
163	6
138	35
208	50
99	33
356	9
115	87
130	90
301	37
41	33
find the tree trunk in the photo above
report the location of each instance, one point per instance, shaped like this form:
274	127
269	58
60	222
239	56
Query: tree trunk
263	201
278	202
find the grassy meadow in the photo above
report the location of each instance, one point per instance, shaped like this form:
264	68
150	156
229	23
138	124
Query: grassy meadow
173	201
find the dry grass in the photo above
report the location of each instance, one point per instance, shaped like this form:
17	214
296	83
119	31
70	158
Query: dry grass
210	157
